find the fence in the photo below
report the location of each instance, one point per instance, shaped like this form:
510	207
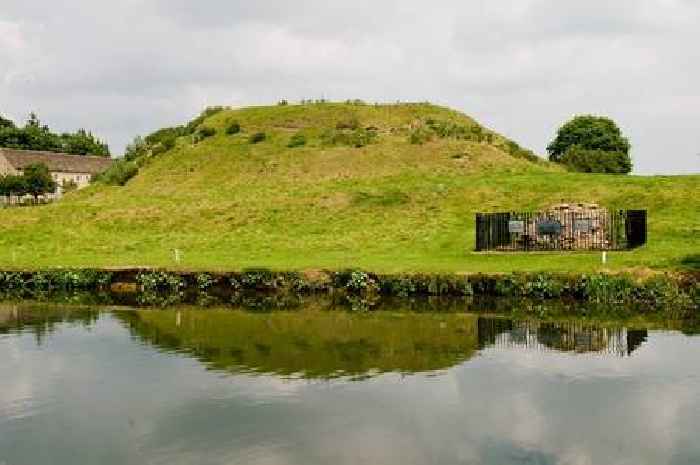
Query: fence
596	229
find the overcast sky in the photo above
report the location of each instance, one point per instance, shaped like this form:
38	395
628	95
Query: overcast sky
521	67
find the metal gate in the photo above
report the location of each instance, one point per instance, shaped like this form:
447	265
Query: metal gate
561	230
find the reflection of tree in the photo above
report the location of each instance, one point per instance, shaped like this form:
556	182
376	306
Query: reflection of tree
572	336
40	319
311	343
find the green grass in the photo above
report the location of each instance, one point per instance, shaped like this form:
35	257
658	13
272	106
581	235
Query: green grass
388	206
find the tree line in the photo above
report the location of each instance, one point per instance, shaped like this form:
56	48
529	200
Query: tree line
37	136
35	180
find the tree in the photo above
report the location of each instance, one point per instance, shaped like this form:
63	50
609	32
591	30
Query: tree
37	136
6	123
83	143
38	180
13	185
590	133
596	161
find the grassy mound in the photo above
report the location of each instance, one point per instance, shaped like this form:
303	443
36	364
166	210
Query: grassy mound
379	187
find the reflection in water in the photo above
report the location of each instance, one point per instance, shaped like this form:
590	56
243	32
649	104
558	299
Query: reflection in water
326	344
568	336
135	387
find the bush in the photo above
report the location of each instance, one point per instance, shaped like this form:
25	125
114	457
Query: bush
283	103
297	140
233	128
203	133
596	161
590	133
258	137
119	173
355	138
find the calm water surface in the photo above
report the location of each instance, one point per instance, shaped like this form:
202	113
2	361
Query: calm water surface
210	386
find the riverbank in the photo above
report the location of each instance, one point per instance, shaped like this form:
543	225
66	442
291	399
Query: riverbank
677	293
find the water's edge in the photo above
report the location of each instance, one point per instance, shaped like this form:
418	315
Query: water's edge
675	295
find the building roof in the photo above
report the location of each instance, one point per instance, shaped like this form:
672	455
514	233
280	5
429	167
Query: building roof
62	162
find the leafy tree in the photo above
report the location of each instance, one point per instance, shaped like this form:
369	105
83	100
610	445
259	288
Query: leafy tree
13	185
596	161
6	123
590	133
38	180
83	143
138	148
37	136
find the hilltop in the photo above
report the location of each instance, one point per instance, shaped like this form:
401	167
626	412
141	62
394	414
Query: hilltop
380	187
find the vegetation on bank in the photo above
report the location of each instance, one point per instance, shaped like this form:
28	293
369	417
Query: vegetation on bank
677	296
37	136
386	188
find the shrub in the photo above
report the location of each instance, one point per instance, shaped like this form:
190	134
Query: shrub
354	138
297	140
590	133
283	103
207	113
233	128
257	137
596	161
203	133
119	173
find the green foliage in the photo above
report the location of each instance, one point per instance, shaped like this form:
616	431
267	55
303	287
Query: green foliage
257	137
36	136
204	281
297	140
590	133
119	173
6	123
357	138
154	281
518	152
138	148
13	185
38	180
202	133
83	143
596	161
234	127
208	112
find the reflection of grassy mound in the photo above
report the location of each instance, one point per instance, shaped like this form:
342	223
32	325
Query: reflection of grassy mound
310	343
307	197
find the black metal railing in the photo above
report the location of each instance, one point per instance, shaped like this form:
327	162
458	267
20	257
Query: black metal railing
561	230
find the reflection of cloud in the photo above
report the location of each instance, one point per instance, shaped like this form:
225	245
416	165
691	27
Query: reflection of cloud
506	406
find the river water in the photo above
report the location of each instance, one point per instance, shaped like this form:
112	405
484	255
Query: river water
190	385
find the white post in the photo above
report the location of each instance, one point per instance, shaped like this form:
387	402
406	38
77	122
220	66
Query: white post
177	255
605	257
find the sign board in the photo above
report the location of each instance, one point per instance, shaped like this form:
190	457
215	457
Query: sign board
583	225
549	227
517	227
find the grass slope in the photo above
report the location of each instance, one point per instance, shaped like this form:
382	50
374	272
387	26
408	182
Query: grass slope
388	206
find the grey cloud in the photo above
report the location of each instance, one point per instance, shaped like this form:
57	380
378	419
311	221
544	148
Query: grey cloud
520	66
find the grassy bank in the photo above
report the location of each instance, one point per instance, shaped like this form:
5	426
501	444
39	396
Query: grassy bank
403	202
